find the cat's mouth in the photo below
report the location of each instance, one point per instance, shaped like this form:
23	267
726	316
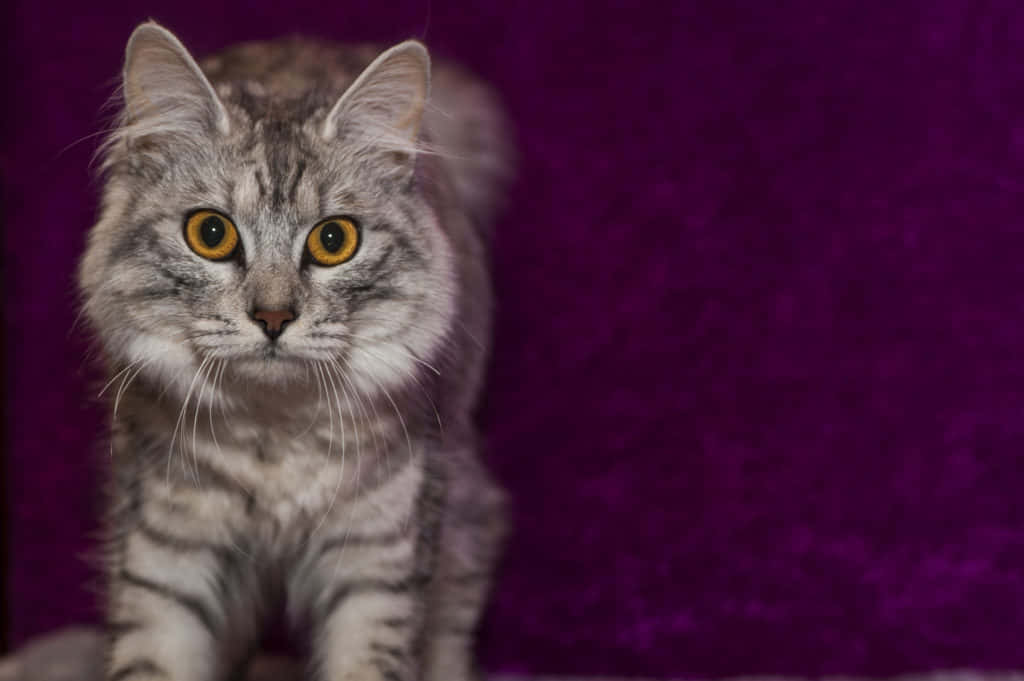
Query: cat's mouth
269	365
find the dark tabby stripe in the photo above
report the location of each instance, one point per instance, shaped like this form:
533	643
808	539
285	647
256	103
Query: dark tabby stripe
429	502
260	186
392	652
131	242
392	566
187	601
143	666
395	623
411	253
460	629
212	477
229	196
293	190
181	281
380	268
227	556
322	188
362	541
343	591
277	133
418	256
359	296
468	578
118	628
386	669
413	256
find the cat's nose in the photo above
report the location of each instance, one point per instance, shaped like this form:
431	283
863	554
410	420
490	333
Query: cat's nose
273	321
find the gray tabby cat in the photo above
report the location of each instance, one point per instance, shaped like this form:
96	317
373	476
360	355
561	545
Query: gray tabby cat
289	280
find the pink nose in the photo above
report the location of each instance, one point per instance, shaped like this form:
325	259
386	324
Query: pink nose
273	321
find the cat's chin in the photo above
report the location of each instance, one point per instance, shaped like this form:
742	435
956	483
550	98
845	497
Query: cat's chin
270	369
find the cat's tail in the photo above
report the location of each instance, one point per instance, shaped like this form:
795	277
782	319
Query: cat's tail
473	137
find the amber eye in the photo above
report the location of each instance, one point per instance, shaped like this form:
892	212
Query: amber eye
333	241
211	234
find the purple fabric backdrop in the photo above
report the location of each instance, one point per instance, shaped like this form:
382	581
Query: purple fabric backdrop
758	382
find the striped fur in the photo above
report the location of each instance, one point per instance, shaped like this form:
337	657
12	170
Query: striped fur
334	469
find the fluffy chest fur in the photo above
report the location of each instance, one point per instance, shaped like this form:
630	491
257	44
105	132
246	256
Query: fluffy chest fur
343	466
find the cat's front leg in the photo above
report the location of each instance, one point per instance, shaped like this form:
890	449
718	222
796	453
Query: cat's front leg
370	632
363	582
368	612
168	616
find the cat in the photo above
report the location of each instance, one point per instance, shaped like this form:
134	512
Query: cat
289	284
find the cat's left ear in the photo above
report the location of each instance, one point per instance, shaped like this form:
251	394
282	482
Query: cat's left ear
384	106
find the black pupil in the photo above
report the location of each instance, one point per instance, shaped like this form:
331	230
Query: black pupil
212	231
332	236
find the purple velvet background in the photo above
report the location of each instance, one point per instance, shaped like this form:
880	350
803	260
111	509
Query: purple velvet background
758	380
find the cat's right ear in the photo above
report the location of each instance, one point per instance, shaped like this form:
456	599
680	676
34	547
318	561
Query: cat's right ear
164	89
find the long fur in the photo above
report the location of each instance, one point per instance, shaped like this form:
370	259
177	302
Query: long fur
334	467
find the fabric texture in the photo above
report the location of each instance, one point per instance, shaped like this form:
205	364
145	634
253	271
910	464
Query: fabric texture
758	390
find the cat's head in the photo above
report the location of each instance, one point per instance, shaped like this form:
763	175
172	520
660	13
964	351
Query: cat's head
259	228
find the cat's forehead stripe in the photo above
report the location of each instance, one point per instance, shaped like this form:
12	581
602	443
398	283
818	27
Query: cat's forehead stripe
260	184
300	168
229	193
286	161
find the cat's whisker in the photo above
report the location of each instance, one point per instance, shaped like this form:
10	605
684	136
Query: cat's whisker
405	352
398	412
446	347
75	322
348	398
407	324
209	411
316	412
367	426
125	383
411	375
199	334
364	415
178	424
218	375
118	375
79	141
198	378
330	409
342	371
386	451
199	404
224	402
341	471
461	325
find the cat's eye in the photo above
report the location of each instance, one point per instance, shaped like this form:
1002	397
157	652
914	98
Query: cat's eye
211	234
333	241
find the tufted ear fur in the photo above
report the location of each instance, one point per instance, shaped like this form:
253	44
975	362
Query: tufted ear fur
165	92
384	106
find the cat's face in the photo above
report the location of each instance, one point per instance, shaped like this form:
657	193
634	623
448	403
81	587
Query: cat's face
270	245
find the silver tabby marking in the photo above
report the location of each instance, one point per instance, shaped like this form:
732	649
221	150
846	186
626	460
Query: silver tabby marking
334	466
